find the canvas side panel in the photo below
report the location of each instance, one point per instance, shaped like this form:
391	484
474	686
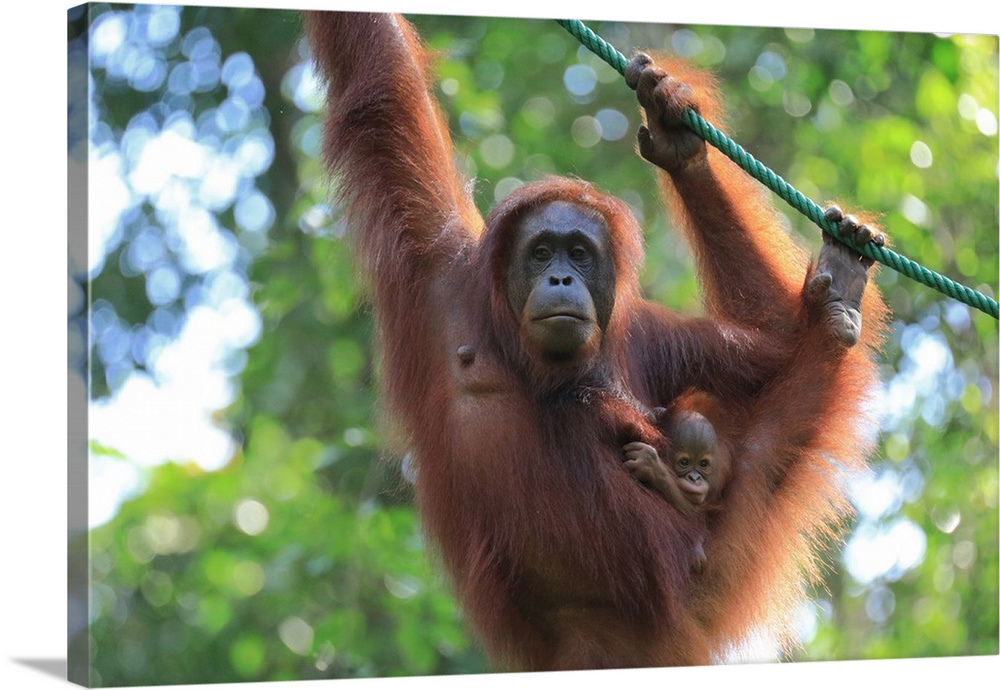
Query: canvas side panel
77	137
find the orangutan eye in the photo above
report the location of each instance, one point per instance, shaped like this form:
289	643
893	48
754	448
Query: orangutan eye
542	253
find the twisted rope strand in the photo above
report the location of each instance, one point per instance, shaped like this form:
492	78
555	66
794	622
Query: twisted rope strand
792	196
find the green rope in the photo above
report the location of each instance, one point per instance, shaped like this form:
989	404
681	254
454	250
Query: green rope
793	197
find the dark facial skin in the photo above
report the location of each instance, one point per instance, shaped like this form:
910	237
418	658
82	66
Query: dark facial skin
695	468
561	280
695	462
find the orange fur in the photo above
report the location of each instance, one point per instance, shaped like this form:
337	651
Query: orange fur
559	558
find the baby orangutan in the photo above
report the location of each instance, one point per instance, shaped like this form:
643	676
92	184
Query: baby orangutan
696	470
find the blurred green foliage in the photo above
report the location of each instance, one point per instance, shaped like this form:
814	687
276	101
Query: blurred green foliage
303	558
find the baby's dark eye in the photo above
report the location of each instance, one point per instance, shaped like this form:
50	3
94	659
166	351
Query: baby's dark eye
703	463
683	462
